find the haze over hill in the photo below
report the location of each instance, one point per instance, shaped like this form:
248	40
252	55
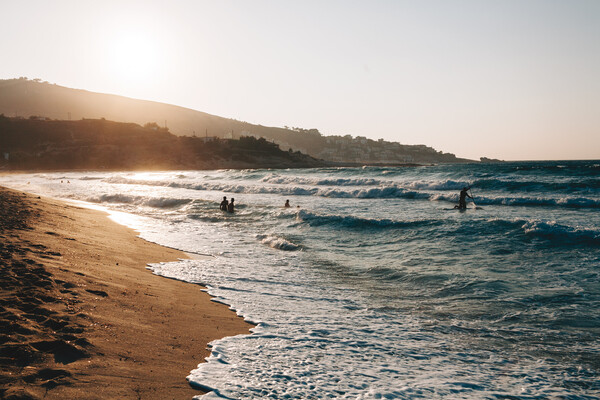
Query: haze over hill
25	98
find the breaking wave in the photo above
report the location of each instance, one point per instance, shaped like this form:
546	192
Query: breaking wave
287	180
556	232
568	202
154	202
346	221
417	190
278	243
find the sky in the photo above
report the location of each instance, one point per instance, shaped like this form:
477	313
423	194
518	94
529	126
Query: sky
507	79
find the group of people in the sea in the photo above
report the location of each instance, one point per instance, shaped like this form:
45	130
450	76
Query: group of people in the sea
462	201
227	205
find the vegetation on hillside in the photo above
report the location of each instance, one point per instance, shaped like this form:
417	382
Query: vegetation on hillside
40	144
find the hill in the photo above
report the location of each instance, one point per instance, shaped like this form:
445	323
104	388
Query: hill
23	97
39	144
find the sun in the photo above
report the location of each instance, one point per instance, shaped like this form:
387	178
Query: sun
134	57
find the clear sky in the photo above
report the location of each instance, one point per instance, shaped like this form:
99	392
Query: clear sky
509	79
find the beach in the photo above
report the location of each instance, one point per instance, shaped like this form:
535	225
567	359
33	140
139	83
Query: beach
371	285
82	316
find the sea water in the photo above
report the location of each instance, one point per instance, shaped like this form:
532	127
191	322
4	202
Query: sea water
372	286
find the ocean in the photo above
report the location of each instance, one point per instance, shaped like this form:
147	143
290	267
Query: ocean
371	285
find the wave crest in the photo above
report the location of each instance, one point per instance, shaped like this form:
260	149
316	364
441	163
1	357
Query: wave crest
278	243
154	202
348	221
569	202
557	232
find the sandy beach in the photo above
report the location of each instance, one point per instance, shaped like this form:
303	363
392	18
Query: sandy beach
83	318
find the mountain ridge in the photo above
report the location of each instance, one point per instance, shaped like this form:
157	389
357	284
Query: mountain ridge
24	98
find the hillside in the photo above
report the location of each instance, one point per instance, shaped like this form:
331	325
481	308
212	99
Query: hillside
25	98
35	144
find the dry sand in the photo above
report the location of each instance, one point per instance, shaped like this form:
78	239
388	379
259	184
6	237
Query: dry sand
82	317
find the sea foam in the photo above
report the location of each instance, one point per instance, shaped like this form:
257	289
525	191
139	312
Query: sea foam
375	287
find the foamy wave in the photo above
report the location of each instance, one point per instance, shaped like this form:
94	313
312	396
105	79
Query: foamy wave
582	186
122	180
341	188
579	202
570	202
385	192
436	185
114	198
589	184
347	221
154	202
555	231
165	202
278	243
382	192
550	230
288	180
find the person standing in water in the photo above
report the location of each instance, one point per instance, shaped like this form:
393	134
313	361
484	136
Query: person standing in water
287	204
224	204
462	200
230	206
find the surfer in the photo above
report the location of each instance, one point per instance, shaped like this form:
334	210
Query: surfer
287	204
230	205
224	204
462	200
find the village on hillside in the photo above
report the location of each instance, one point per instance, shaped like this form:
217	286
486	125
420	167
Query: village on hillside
349	149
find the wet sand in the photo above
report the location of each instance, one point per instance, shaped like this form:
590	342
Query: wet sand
82	317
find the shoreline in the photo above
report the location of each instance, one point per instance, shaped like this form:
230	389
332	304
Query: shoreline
83	317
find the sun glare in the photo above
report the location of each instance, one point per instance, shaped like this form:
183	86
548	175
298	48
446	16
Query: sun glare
134	57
